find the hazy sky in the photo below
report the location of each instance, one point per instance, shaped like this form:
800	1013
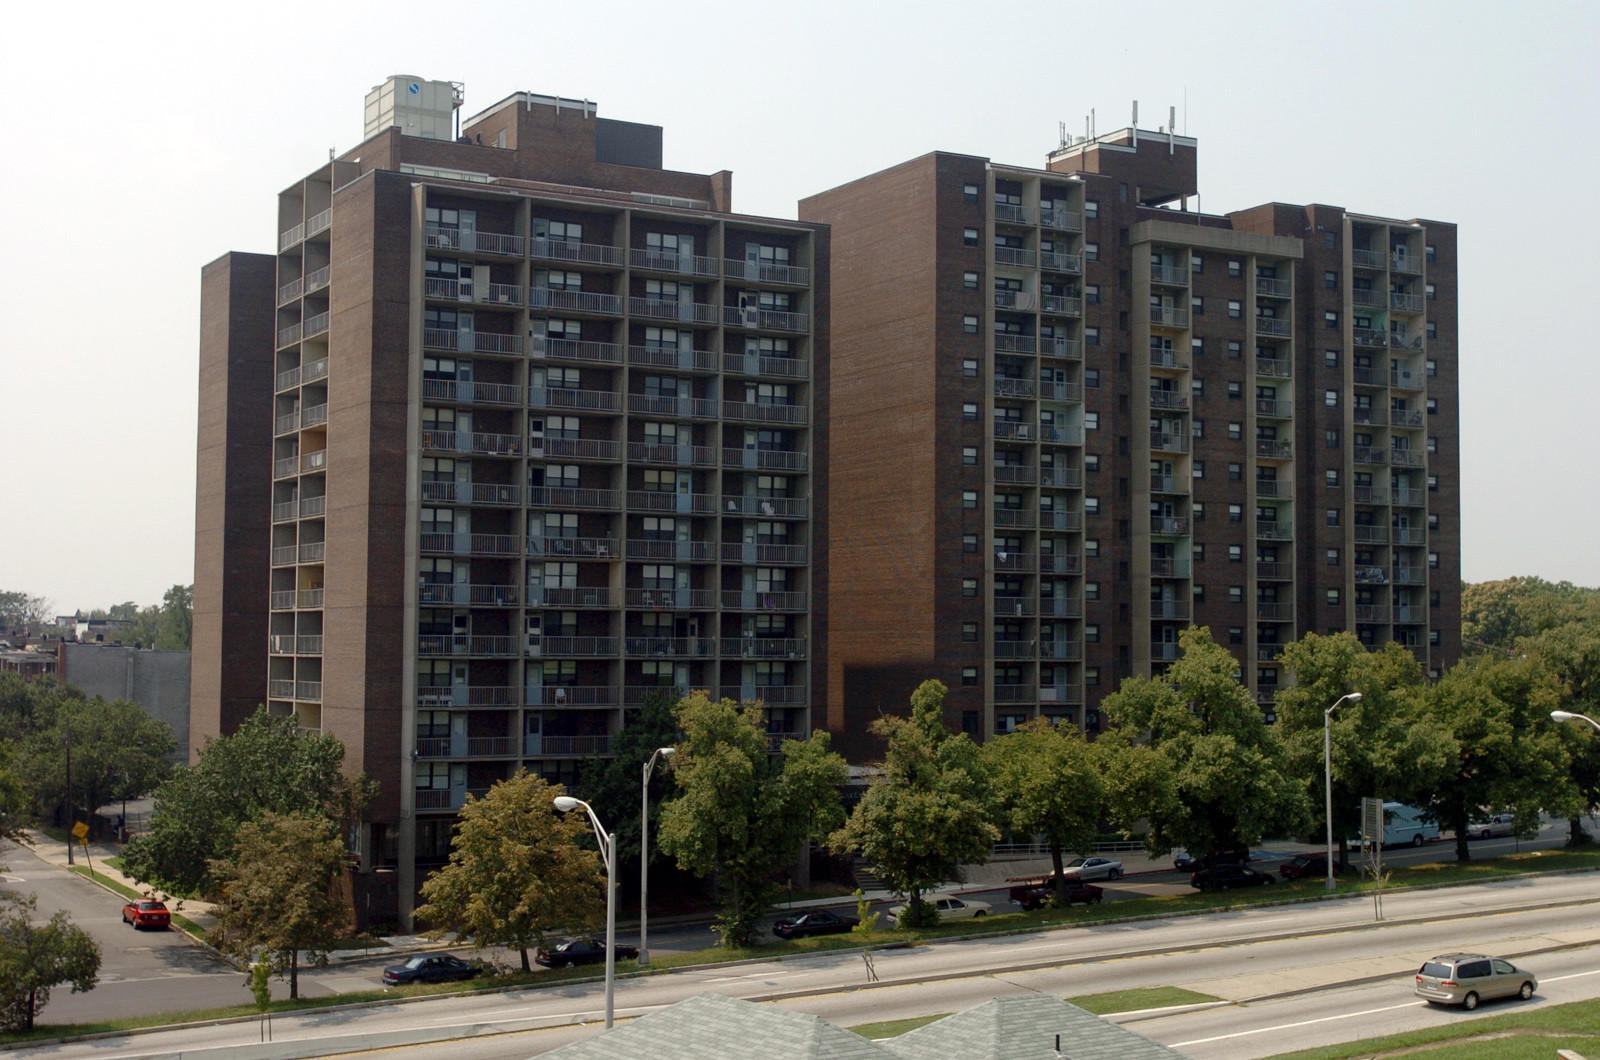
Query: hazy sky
149	139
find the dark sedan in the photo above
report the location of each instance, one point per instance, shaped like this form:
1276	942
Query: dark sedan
582	951
1224	877
430	968
812	922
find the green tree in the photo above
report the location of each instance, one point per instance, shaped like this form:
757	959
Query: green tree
279	893
1496	615
1195	758
34	957
612	785
117	751
269	765
1385	745
1508	752
19	610
742	812
1047	782
1571	652
13	797
516	870
930	809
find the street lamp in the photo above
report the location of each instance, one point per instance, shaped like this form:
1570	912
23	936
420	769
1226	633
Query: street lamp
608	843
644	852
1567	715
70	822
1327	773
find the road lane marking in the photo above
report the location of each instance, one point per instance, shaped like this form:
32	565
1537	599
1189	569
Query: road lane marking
1291	1026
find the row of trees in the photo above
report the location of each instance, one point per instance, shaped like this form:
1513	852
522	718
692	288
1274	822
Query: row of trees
167	626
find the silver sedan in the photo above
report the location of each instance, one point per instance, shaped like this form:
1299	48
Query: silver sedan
1093	869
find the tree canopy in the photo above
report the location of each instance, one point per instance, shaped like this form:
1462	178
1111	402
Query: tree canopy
612	785
35	957
742	812
1047	782
1496	615
269	765
118	752
20	610
929	811
516	870
279	893
1194	753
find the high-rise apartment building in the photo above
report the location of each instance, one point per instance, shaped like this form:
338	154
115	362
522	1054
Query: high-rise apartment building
1069	418
515	430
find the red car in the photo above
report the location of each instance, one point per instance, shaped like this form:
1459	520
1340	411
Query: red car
146	912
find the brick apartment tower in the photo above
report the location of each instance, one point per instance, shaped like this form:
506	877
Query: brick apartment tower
533	429
1069	418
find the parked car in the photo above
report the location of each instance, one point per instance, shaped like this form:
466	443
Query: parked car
585	950
948	907
1184	861
1467	978
146	913
430	968
1035	892
1493	825
1094	869
812	922
1312	866
1226	877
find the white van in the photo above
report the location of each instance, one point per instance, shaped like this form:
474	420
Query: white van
1404	825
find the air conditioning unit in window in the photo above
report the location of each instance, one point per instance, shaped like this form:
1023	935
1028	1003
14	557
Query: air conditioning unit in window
1024	432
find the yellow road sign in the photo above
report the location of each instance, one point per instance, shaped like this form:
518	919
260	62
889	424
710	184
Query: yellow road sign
80	830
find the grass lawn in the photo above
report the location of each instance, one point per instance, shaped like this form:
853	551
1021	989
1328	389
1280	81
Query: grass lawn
1134	1000
1527	1034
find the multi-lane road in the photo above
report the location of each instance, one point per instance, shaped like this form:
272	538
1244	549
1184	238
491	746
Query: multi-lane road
1287	976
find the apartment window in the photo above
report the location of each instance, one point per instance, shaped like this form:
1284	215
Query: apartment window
1091	336
1235	594
1435	598
969	236
1197	511
1431	366
969	367
969	410
1235	513
1333	557
1330	241
1091	252
1235	634
1431	292
1333	597
1235	388
969	499
1199	469
1330	439
1199	593
1330	358
1330	399
1091	634
1091	676
969	631
1091	462
969	543
1197	305
969	455
969	280
1432	330
1235	309
969	192
1330	320
1199	552
1433	483
1197	427
1433	444
1197	386
1433	637
1235	553
1197	347
1091	294
1091	547
1235	472
1091	505
1330	280
1235	267
1332	515
969	675
1197	264
1091	421
1091	590
969	587
1330	477
1235	431
1431	252
1091	208
1433	520
1235	350
1432	405
1433	561
1091	378
969	324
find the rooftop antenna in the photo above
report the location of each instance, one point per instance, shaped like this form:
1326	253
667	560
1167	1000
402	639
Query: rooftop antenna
1172	124
1136	123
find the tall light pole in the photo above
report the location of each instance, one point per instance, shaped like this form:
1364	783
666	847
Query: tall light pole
1567	715
608	854
1327	773
644	853
70	822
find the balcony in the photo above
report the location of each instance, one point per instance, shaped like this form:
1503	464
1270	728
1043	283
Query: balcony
545	348
1400	261
429	696
1413	536
650	260
1060	477
1371	535
1060	563
289	237
1015	388
1168	399
1272	488
450	644
1060	607
1163	651
1005	342
1366	298
546	249
311	553
1014	475
1065	392
602	450
1169	525
1061	305
1171	275
1015	693
765	319
763	412
586	597
672	309
1369	259
1405	303
1170	610
607	401
1168	567
762	600
672	501
1016	649
677	406
1274	326
1405	379
1368	416
1371	337
766	272
660	455
676	599
1058	261
1062	220
764	459
1168	484
1271	449
1169	316
1274	611
673	550
447	238
585	696
1061	650
470	544
771	695
764	647
1372	613
574	301
478	443
1057	346
1407	458
1171	442
1053	518
1012	430
1273	367
572	647
462	341
1274	571
288	336
547	746
1018	606
463	595
1369	454
1274	530
1015	256
290	291
764	364
579	498
1412	498
1273	287
765	507
1166	357
1009	213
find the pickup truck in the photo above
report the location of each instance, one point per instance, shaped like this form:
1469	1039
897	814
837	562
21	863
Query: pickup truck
1034	892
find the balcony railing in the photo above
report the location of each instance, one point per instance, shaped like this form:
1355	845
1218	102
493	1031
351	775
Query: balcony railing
468	696
667	455
1405	303
686	551
766	272
576	596
1061	220
1171	316
1018	606
1272	570
1172	275
762	600
572	647
764	647
579	400
1010	213
483	646
1018	256
671	261
1168	399
1274	611
1371	535
1057	346
1062	305
1368	259
1004	342
1370	337
1169	610
1274	530
1273	367
679	406
464	595
765	459
1407	457
1166	357
671	501
1059	261
574	301
1168	567
1372	612
764	554
672	309
1273	287
1268	449
760	412
1169	525
1172	442
1273	326
764	364
1281	489
543	347
1060	477
584	253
